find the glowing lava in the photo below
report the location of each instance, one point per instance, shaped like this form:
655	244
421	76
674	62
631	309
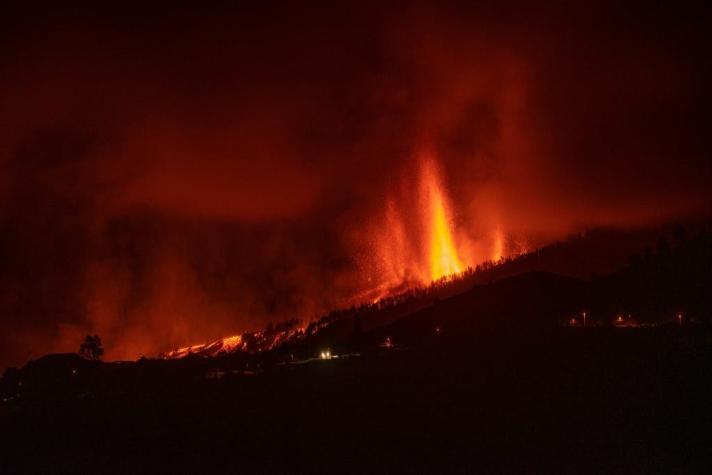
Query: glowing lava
415	242
442	253
224	345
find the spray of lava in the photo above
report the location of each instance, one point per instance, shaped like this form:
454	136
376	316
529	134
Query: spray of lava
415	245
442	254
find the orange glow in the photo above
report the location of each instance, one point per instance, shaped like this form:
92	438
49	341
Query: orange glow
443	255
415	239
498	246
396	245
226	345
249	342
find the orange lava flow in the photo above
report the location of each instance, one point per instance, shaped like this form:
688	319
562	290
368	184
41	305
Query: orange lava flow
228	344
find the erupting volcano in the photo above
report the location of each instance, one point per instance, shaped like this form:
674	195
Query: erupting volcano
443	255
289	236
416	245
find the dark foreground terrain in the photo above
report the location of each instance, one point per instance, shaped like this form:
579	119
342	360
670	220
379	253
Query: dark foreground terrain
571	400
486	381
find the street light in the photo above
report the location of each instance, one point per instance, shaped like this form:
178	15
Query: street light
584	319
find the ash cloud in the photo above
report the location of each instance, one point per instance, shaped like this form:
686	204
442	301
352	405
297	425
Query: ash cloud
175	176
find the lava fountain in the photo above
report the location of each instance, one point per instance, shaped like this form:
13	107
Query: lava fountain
414	243
442	255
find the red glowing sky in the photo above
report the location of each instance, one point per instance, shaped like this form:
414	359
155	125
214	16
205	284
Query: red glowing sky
176	175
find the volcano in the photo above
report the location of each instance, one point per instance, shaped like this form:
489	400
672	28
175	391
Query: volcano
355	237
492	371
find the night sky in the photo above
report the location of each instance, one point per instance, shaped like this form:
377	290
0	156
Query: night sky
174	174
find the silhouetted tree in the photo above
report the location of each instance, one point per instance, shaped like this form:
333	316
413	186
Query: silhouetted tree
92	348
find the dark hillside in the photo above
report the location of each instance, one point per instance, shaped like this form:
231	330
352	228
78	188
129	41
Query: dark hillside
488	380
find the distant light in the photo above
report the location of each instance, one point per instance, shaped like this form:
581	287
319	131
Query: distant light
325	355
387	343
